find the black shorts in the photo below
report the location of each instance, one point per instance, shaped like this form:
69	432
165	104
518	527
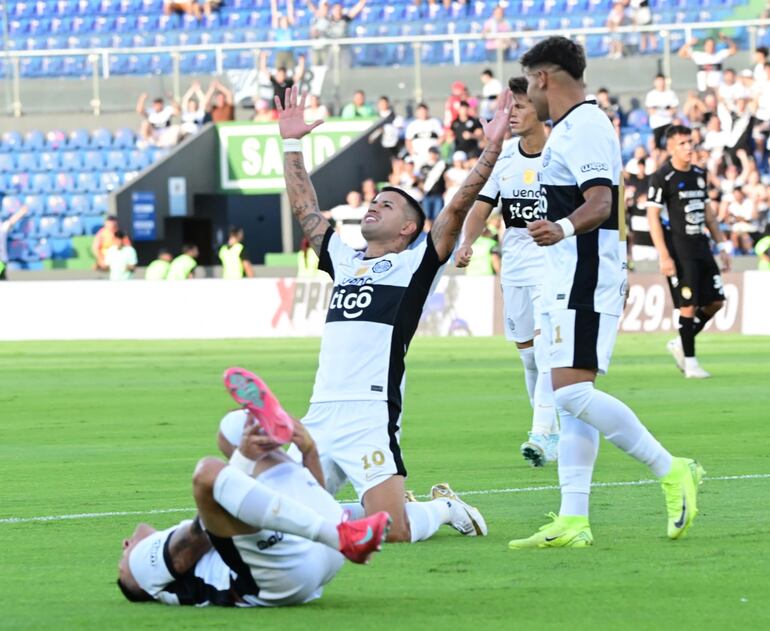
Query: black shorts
697	282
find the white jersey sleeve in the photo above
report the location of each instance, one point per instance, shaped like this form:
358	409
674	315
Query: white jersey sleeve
335	253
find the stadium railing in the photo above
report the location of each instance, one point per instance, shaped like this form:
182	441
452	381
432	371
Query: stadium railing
403	50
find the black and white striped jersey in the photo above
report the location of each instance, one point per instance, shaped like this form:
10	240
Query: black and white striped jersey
587	271
373	313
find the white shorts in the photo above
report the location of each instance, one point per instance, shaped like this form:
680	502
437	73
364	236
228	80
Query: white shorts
357	441
521	310
290	570
580	339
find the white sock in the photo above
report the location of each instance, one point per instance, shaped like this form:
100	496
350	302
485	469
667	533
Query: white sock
355	510
530	371
690	363
544	412
257	505
425	518
616	421
578	447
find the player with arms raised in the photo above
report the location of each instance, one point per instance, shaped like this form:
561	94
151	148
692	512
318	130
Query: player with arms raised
515	180
582	297
375	306
684	251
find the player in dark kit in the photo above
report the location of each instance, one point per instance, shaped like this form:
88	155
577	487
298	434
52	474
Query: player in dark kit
683	247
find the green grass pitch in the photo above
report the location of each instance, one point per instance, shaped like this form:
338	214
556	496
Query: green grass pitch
118	426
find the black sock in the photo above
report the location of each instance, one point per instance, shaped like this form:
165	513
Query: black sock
687	334
701	319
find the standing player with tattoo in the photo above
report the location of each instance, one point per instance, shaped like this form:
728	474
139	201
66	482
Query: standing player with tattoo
376	303
679	189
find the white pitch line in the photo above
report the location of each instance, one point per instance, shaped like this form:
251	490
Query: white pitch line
523	489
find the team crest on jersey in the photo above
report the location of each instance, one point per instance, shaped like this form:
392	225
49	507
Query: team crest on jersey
382	266
530	176
546	157
686	293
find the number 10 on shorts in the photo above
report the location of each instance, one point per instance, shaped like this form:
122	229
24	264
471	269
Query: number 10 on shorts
377	459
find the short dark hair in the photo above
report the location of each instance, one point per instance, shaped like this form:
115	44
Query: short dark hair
414	205
487	72
163	252
111	218
422	105
762	50
119	234
464	104
134	597
660	75
560	51
678	130
188	247
234	231
518	85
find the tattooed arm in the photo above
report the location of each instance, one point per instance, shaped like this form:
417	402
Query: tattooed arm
449	224
302	197
187	545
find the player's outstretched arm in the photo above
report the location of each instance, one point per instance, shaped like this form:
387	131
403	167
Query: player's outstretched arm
302	196
448	225
474	226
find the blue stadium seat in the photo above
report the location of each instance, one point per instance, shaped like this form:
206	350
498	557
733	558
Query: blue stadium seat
49	161
101	138
31	67
79	205
79	139
93	160
116	160
138	160
48	226
65	182
55	205
83	24
61	26
72	226
35	204
12	141
7	162
9	205
110	180
71	161
61	248
42	183
21	9
56	139
124	139
99	204
17	248
92	223
87	182
42	249
25	227
19	183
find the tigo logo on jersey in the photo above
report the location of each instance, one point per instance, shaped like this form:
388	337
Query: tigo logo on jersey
382	266
352	302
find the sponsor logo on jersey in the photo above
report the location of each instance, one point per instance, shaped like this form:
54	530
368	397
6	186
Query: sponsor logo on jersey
594	166
519	211
361	271
352	303
382	266
701	182
530	176
365	280
686	293
275	538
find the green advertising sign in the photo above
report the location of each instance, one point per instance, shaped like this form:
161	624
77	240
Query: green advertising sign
251	154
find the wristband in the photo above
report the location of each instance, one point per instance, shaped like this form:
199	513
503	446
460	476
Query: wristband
242	463
567	226
292	145
725	246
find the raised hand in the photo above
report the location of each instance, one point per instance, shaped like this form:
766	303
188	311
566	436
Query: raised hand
291	115
496	129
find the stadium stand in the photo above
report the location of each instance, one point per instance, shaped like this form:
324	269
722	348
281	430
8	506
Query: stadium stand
64	180
80	25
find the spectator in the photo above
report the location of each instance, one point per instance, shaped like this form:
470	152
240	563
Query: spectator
281	32
193	110
358	108
709	60
431	177
661	104
219	103
315	110
263	113
319	29
762	250
183	266
368	190
234	258
760	59
104	239
347	218
157	128
761	103
422	133
188	7
455	175
5	230
339	28
641	157
158	269
459	93
392	132
209	6
120	258
608	105
280	81
467	131
642	16
730	90
741	217
694	109
616	19
495	25
490	89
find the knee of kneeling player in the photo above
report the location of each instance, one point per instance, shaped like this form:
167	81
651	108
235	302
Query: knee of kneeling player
206	472
574	398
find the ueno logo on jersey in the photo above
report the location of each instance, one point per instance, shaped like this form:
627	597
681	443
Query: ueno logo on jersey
352	301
